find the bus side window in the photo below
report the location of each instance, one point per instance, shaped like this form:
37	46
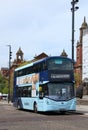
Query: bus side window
24	92
18	92
29	91
44	66
45	89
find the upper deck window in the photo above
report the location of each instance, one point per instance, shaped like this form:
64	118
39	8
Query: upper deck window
60	64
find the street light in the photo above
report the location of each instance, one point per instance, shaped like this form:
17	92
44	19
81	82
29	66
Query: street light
10	57
73	9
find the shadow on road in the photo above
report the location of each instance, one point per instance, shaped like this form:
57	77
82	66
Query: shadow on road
51	113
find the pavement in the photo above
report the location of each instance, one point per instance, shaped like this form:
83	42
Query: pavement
82	109
82	105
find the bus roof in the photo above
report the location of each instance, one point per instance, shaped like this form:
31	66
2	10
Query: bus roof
24	66
39	61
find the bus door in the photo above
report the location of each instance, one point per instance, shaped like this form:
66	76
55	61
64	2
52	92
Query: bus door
43	91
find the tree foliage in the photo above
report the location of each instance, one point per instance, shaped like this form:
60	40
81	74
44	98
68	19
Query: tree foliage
77	79
3	85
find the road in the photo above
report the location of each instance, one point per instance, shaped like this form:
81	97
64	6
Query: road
12	119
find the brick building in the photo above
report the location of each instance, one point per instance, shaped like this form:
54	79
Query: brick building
4	71
79	51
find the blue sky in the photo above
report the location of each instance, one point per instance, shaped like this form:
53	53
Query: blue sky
38	26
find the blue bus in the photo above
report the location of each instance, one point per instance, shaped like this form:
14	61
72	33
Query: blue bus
45	85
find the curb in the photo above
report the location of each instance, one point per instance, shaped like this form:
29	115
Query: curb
82	109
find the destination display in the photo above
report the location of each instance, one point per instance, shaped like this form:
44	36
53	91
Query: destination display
53	76
60	76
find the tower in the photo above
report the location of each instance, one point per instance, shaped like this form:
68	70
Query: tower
78	65
64	54
19	55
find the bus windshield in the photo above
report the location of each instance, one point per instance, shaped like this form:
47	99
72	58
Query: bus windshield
59	91
61	63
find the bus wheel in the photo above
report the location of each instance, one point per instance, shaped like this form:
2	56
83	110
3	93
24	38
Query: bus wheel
18	106
35	107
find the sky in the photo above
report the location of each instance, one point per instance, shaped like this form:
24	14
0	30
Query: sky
38	26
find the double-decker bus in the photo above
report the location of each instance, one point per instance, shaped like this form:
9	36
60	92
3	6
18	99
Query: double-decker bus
45	85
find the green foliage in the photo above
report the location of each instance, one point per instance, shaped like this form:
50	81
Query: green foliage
77	79
3	84
24	63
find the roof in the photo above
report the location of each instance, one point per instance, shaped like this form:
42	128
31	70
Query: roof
84	24
42	55
19	51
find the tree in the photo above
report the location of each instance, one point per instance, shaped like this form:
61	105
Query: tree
77	79
3	85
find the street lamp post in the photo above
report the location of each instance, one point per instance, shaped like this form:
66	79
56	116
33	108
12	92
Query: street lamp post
10	54
73	9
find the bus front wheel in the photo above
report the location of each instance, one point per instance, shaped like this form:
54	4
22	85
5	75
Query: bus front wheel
35	107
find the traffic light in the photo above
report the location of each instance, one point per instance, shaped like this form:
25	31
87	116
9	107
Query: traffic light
10	55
